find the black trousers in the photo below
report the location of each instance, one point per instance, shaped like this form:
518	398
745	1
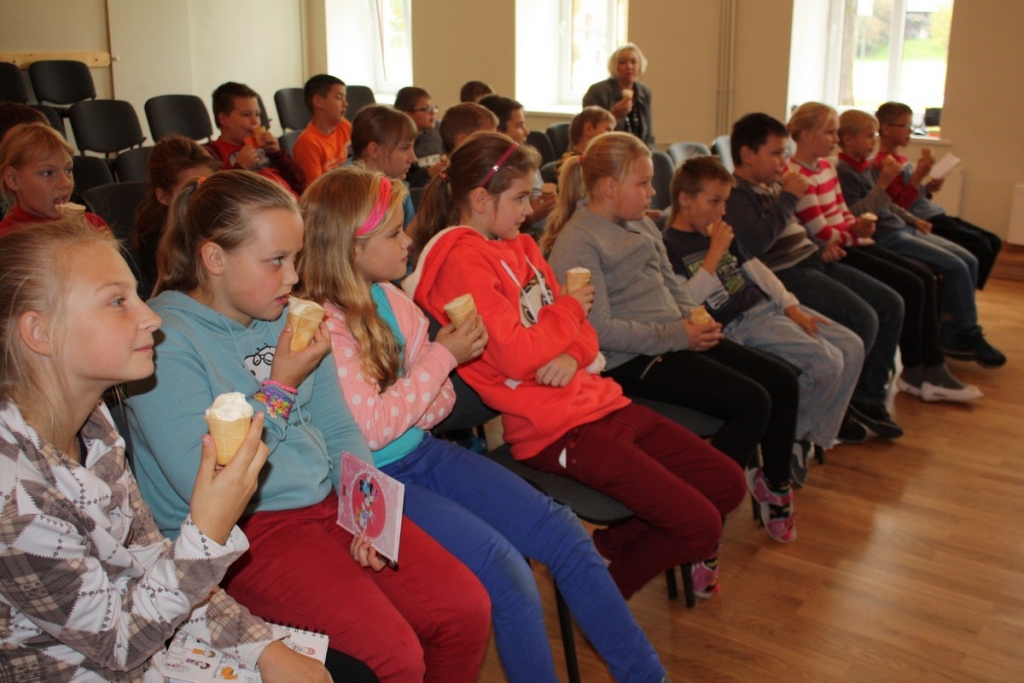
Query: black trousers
983	244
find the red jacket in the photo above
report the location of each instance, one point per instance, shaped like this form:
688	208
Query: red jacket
499	274
19	216
281	168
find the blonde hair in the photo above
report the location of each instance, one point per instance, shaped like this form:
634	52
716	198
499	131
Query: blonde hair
333	208
592	115
809	117
609	155
853	121
24	143
613	61
217	209
34	268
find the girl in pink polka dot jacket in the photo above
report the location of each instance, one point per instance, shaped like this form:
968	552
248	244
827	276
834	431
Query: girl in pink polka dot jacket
395	382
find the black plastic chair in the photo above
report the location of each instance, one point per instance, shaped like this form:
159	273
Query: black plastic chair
106	126
53	117
663	170
116	203
61	82
358	97
538	139
679	152
178	115
558	133
264	119
288	140
549	172
130	165
292	111
90	172
721	147
12	85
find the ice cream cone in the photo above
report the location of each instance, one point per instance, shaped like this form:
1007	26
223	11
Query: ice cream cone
71	209
305	318
700	316
227	436
576	279
548	188
460	308
627	93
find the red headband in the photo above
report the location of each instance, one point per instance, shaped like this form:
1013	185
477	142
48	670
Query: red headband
501	162
379	207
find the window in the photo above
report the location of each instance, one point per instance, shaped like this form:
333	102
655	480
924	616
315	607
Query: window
562	48
875	51
380	29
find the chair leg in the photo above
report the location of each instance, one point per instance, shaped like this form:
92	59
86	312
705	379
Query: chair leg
688	595
670	582
568	638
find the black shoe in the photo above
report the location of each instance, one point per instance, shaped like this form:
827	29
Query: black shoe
956	344
985	355
877	419
852	432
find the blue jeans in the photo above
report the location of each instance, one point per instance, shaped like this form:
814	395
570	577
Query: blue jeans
873	311
489	519
957	266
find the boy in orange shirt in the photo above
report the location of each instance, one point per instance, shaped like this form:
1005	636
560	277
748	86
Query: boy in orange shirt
326	141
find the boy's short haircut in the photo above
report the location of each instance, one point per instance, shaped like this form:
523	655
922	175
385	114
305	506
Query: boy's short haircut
408	97
13	113
753	131
502	108
890	111
225	94
853	121
464	119
592	115
692	174
473	90
321	85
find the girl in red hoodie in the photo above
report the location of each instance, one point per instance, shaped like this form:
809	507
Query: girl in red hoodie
541	369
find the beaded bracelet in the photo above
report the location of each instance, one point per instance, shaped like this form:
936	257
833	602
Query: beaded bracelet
273	382
278	402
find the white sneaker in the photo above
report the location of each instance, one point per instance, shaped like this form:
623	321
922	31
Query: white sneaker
907	388
930	392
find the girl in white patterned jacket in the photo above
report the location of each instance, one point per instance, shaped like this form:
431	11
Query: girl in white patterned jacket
89	588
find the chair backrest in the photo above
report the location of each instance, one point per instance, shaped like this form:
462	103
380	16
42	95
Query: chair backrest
721	147
130	165
178	115
558	133
291	108
663	170
12	85
90	172
264	117
679	152
358	97
549	172
116	204
53	117
538	139
61	81
105	126
287	141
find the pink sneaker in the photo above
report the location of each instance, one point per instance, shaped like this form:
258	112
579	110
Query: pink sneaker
705	576
773	508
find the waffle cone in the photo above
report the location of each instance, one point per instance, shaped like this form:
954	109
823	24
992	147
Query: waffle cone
304	327
227	436
460	308
700	316
575	279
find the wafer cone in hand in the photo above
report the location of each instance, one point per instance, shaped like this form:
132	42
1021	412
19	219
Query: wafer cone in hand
228	419
460	308
576	279
305	318
700	316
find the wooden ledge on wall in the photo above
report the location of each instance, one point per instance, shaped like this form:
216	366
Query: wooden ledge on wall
93	58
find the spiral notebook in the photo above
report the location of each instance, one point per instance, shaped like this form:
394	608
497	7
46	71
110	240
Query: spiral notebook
372	502
189	660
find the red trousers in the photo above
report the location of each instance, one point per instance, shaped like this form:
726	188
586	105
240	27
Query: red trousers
679	487
426	621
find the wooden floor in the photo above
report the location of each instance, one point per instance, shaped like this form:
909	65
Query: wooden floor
909	564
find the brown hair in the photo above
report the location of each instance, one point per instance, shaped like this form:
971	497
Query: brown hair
471	163
387	126
25	143
170	156
34	267
13	113
690	177
853	121
592	115
809	117
218	209
609	155
223	98
890	111
472	91
408	97
333	208
464	119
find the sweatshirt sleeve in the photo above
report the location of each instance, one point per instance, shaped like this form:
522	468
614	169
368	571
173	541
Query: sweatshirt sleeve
289	170
861	194
902	192
762	276
757	226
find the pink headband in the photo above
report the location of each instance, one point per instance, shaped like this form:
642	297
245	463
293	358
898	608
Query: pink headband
379	207
501	162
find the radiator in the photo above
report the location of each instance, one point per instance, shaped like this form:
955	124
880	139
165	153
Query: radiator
951	196
1016	233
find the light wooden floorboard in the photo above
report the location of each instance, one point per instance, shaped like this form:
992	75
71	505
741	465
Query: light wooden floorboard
909	564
